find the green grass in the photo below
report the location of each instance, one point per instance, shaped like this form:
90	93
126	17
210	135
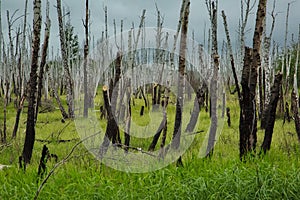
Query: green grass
274	176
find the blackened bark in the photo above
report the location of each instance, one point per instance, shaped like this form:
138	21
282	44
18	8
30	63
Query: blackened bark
142	111
157	134
86	52
18	115
154	96
128	119
43	161
228	116
271	113
182	61
295	111
287	115
30	126
115	89
43	62
248	117
112	130
195	114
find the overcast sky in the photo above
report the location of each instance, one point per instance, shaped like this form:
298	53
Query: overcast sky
130	11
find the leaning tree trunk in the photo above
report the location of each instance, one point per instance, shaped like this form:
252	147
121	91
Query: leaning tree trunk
43	61
30	126
248	118
271	113
295	111
182	62
69	80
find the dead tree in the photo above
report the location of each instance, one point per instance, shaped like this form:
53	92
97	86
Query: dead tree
86	52
271	113
295	110
248	118
212	9
43	61
30	126
182	62
67	73
112	129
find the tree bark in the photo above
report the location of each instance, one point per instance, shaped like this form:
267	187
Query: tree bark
271	113
30	126
112	130
69	80
86	52
295	111
182	62
43	62
248	118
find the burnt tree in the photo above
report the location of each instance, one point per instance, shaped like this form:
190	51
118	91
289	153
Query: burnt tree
30	126
248	117
295	111
271	113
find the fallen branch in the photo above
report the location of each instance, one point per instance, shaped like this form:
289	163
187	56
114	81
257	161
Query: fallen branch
134	148
57	141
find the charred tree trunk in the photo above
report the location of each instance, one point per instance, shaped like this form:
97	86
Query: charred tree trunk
128	119
30	126
69	80
271	113
43	62
86	52
248	118
112	130
295	111
182	62
195	114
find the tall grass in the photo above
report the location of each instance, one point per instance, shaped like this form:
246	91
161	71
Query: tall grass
273	176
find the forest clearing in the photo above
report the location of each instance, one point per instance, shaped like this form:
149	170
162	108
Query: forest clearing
150	112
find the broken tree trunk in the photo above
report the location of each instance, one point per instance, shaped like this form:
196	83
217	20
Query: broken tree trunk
271	113
248	118
112	130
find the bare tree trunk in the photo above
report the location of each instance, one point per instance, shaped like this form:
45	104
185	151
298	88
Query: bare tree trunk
43	61
69	80
212	8
231	58
86	52
182	62
285	61
271	113
295	109
112	129
30	127
248	118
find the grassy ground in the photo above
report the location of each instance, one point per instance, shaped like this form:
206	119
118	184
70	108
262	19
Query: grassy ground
274	176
